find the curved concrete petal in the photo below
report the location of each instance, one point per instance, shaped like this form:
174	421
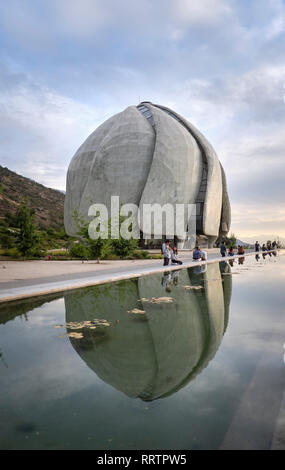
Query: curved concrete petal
226	207
79	171
176	168
213	197
115	165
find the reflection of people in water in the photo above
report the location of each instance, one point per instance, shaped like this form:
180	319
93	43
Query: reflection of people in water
231	262
166	281
174	277
224	267
200	269
241	260
257	257
169	279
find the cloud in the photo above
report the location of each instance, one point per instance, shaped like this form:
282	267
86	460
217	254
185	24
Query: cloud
70	65
41	129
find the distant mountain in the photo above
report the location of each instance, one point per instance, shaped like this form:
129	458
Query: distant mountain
240	242
48	203
264	237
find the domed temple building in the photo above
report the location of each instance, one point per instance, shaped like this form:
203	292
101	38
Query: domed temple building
149	154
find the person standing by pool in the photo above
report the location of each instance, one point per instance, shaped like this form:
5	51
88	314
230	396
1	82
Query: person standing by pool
257	246
166	253
223	249
163	246
269	248
240	250
204	255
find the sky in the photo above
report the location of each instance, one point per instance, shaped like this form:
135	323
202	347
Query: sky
68	65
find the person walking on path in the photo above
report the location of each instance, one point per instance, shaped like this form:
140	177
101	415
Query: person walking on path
223	249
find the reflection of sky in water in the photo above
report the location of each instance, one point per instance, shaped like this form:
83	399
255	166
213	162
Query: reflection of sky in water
49	398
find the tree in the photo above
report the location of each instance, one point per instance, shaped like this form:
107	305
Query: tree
229	241
27	240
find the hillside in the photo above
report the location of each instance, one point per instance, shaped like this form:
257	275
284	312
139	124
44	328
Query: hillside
48	203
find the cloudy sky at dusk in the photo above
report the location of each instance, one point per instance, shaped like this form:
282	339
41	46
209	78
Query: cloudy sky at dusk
68	65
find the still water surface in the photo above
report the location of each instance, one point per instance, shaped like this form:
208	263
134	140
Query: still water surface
201	368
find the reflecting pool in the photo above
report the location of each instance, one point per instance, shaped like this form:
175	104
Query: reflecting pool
191	359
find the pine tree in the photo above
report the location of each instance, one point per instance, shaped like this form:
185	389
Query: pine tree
27	239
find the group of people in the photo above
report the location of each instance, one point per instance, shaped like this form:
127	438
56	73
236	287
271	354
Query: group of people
231	251
169	253
199	255
269	247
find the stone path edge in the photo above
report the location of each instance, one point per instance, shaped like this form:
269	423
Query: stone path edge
43	289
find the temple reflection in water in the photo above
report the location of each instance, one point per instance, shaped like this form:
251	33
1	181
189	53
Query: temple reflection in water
153	355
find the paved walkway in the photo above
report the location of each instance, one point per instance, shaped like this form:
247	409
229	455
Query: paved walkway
87	274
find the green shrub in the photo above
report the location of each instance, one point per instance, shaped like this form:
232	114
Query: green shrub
140	254
78	250
122	247
156	256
